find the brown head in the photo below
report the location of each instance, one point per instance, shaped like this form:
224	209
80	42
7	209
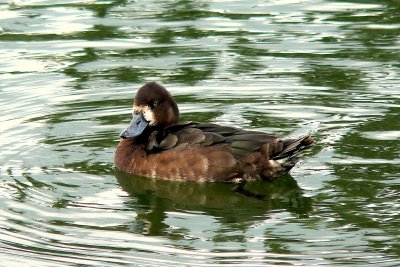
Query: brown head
153	106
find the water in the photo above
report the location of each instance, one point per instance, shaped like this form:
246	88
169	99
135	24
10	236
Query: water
69	70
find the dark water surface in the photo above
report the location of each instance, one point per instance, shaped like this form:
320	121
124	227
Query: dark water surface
68	73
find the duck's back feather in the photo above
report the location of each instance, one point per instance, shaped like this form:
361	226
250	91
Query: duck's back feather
261	154
206	134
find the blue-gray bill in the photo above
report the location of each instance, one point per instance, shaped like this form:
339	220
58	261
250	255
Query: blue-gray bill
136	127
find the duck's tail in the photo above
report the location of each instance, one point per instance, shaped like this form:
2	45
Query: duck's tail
292	149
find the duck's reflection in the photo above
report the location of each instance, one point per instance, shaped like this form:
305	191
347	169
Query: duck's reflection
151	199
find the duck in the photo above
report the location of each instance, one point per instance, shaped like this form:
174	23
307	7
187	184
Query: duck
157	145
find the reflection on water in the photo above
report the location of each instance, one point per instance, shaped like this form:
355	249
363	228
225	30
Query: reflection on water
223	201
68	72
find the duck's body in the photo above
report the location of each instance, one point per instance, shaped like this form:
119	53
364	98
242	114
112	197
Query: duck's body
156	145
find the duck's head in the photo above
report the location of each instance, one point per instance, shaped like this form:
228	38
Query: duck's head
153	107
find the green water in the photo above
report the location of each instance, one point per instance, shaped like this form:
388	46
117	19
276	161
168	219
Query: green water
69	71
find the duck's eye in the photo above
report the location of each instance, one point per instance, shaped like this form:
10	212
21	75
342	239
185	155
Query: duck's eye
154	104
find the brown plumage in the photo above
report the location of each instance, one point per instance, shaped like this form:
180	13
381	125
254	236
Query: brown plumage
156	145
